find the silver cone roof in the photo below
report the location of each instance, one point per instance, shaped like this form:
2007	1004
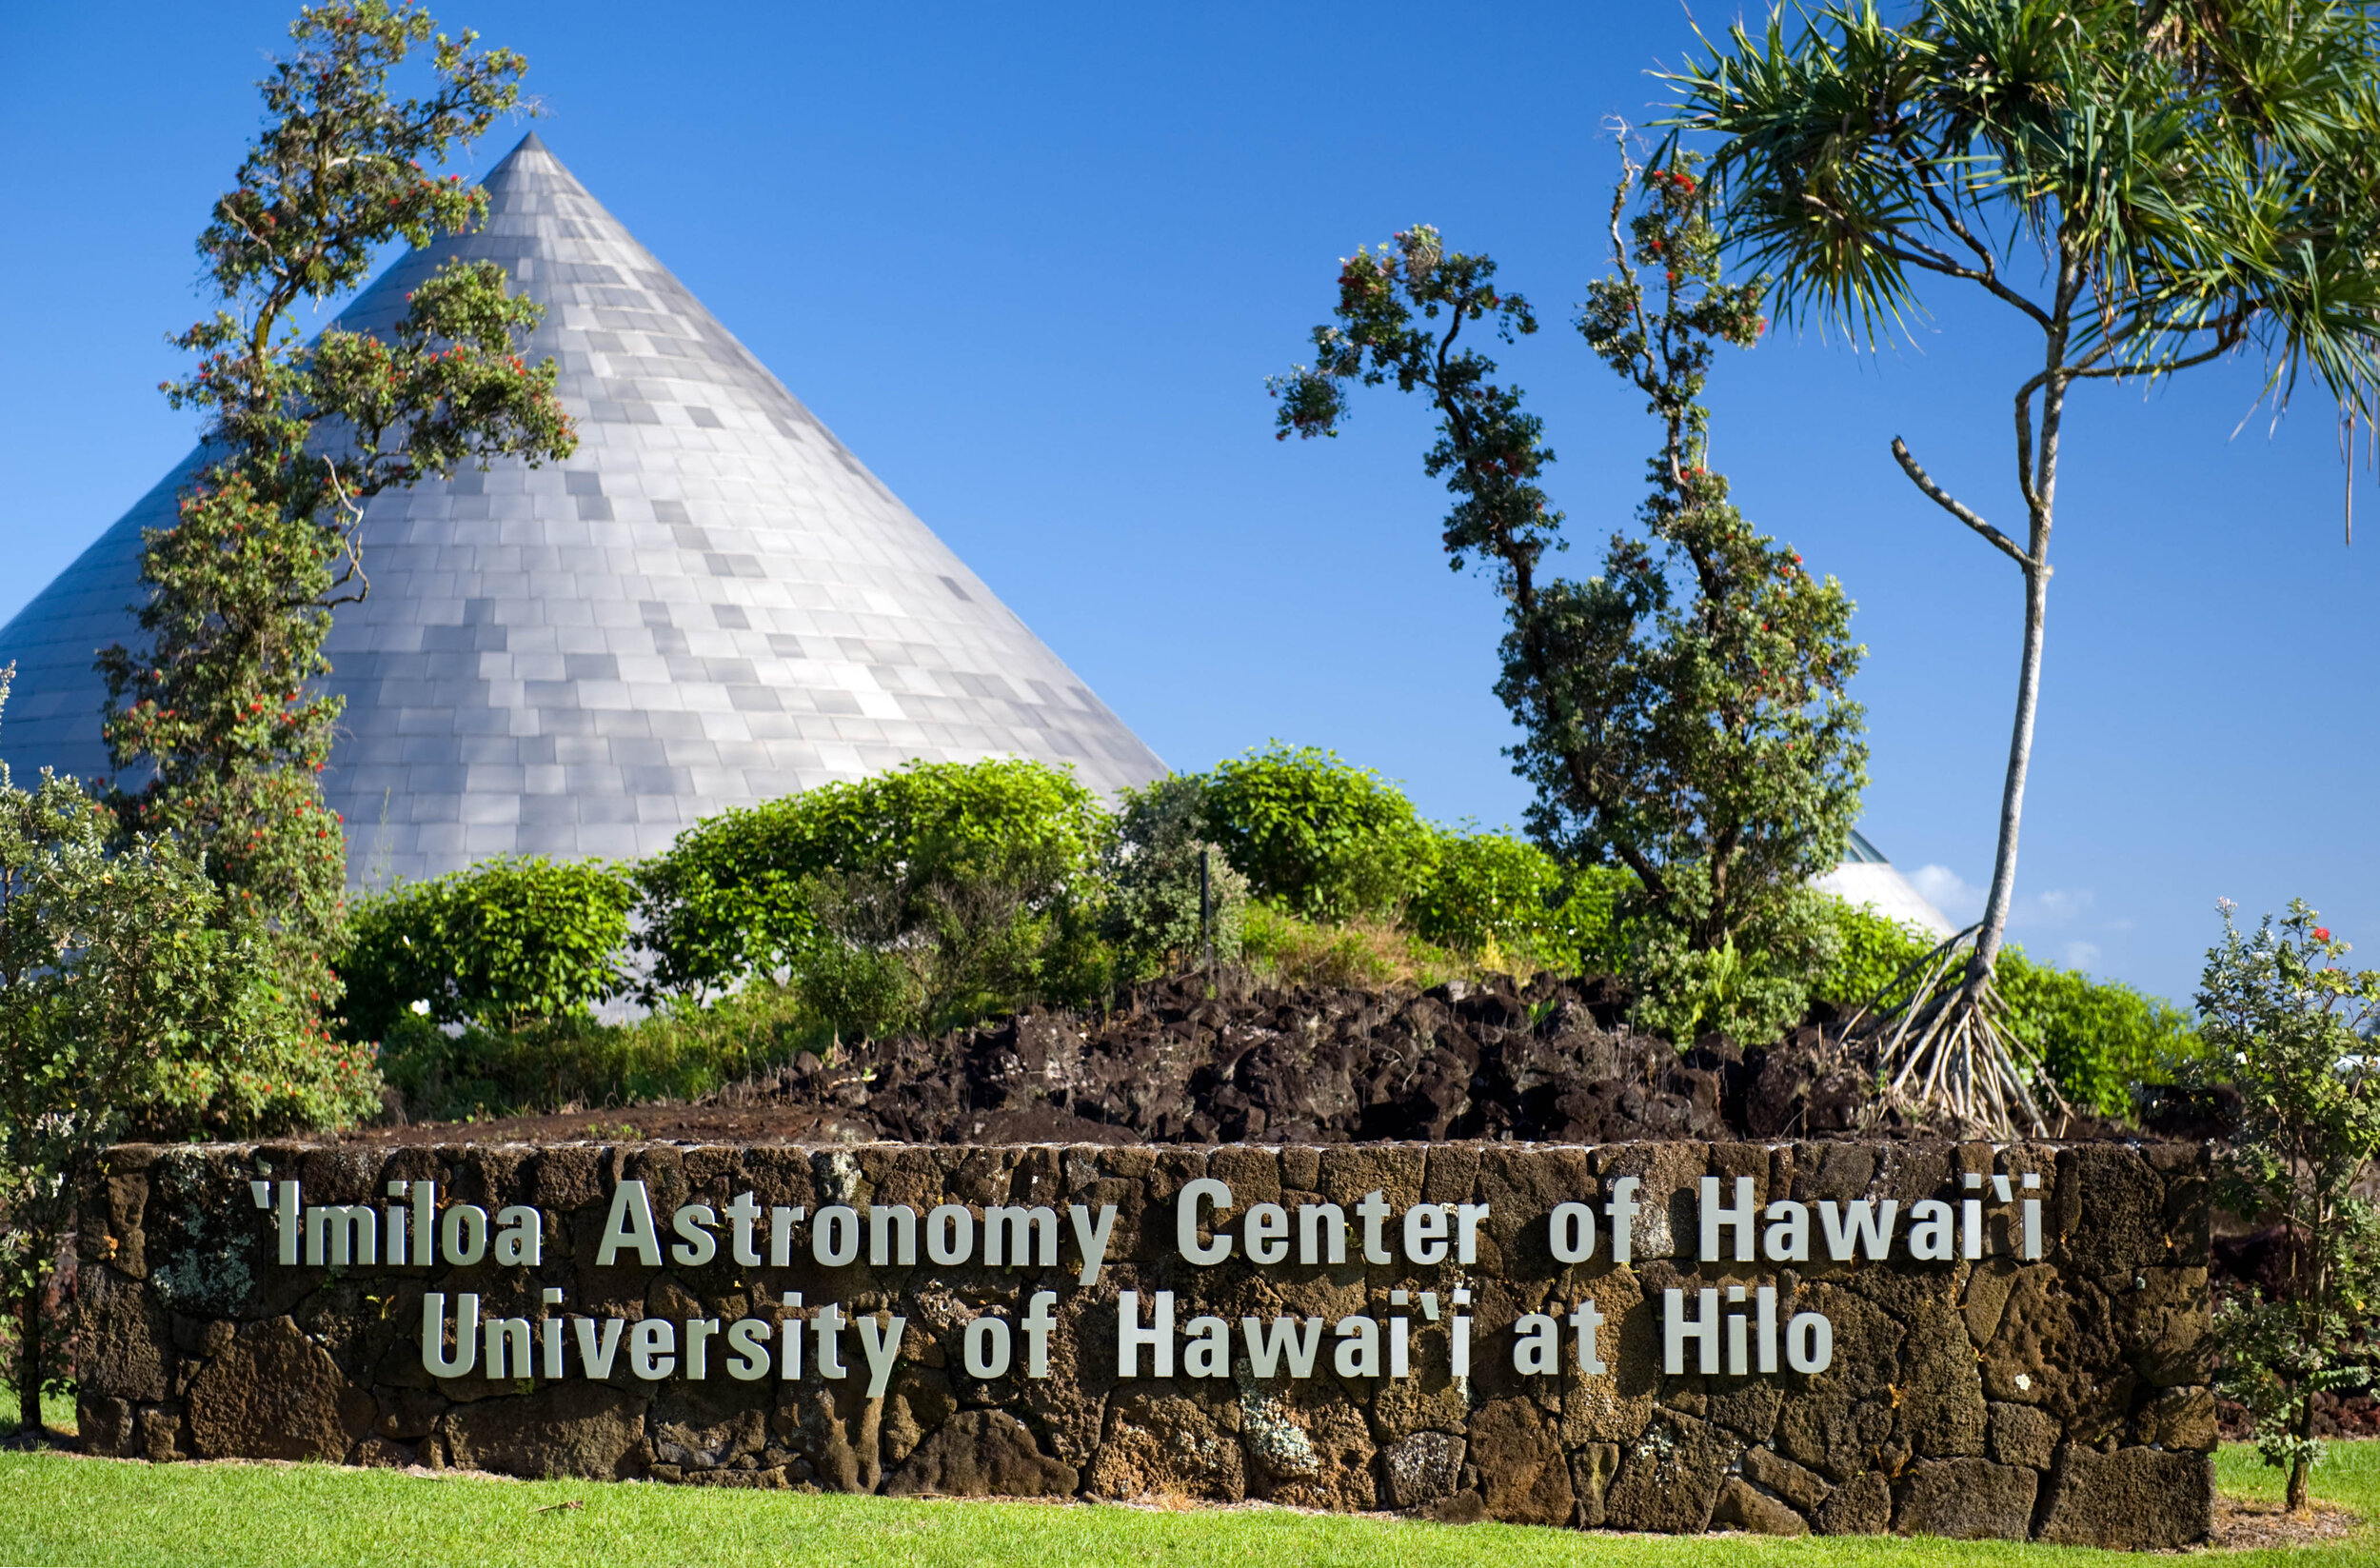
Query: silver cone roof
713	602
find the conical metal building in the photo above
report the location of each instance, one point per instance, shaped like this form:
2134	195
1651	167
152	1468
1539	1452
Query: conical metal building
713	602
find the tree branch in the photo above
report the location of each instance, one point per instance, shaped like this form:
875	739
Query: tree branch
1942	498
2023	444
1918	254
2228	341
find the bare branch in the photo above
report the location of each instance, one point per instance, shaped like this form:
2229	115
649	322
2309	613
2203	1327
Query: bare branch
2154	367
1918	254
2024	441
1942	498
1989	274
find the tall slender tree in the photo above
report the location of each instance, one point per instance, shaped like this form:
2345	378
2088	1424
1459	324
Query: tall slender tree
2147	184
217	729
1684	714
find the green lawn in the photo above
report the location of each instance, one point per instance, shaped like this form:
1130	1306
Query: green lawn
56	1509
57	1412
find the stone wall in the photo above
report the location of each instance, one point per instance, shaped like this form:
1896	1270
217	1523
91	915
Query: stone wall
2063	1399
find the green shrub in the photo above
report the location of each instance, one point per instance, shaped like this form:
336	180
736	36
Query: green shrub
1152	912
506	944
908	949
2291	1029
1751	987
738	894
1323	839
2099	1040
1508	903
1872	951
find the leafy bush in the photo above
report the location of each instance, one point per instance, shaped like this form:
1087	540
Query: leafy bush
910	949
1751	987
2099	1040
2291	1026
1510	905
506	944
263	1064
1323	839
739	894
1871	952
1152	916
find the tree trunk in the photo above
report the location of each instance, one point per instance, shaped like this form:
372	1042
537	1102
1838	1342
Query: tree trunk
29	1367
2041	499
2298	1466
1995	910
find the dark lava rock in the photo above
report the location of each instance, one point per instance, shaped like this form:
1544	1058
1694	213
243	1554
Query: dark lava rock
1190	1062
982	1454
276	1393
1967	1500
2140	1497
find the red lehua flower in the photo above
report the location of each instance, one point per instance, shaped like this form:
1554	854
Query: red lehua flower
2322	933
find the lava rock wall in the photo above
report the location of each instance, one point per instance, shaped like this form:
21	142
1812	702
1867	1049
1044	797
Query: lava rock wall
2061	1399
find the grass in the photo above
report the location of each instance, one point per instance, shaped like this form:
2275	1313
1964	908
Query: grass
57	1412
57	1509
1285	950
681	1052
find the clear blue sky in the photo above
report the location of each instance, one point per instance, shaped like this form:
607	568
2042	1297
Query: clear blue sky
1033	264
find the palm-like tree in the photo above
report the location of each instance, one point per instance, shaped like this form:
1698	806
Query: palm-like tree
2150	185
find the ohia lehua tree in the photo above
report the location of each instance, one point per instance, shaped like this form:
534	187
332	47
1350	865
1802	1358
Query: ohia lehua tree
1684	714
217	728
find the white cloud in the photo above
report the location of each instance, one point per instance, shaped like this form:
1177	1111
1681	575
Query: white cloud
2055	907
1962	902
2082	955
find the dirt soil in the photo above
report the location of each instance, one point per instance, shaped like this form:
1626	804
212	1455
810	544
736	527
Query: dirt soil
1192	1061
2241	1525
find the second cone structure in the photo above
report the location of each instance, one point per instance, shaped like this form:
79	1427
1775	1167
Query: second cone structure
713	602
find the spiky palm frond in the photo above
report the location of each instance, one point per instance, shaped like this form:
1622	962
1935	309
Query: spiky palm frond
2210	173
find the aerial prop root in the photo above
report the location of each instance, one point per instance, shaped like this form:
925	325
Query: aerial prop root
1944	1052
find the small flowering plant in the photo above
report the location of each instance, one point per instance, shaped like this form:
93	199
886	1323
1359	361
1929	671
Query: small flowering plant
2287	1026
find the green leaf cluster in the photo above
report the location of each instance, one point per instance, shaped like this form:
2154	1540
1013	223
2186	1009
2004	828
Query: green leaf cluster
904	897
1320	838
2100	1040
507	944
1508	903
1750	987
1172	891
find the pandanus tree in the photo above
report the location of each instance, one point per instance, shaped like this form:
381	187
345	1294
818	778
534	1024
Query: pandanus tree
2147	186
